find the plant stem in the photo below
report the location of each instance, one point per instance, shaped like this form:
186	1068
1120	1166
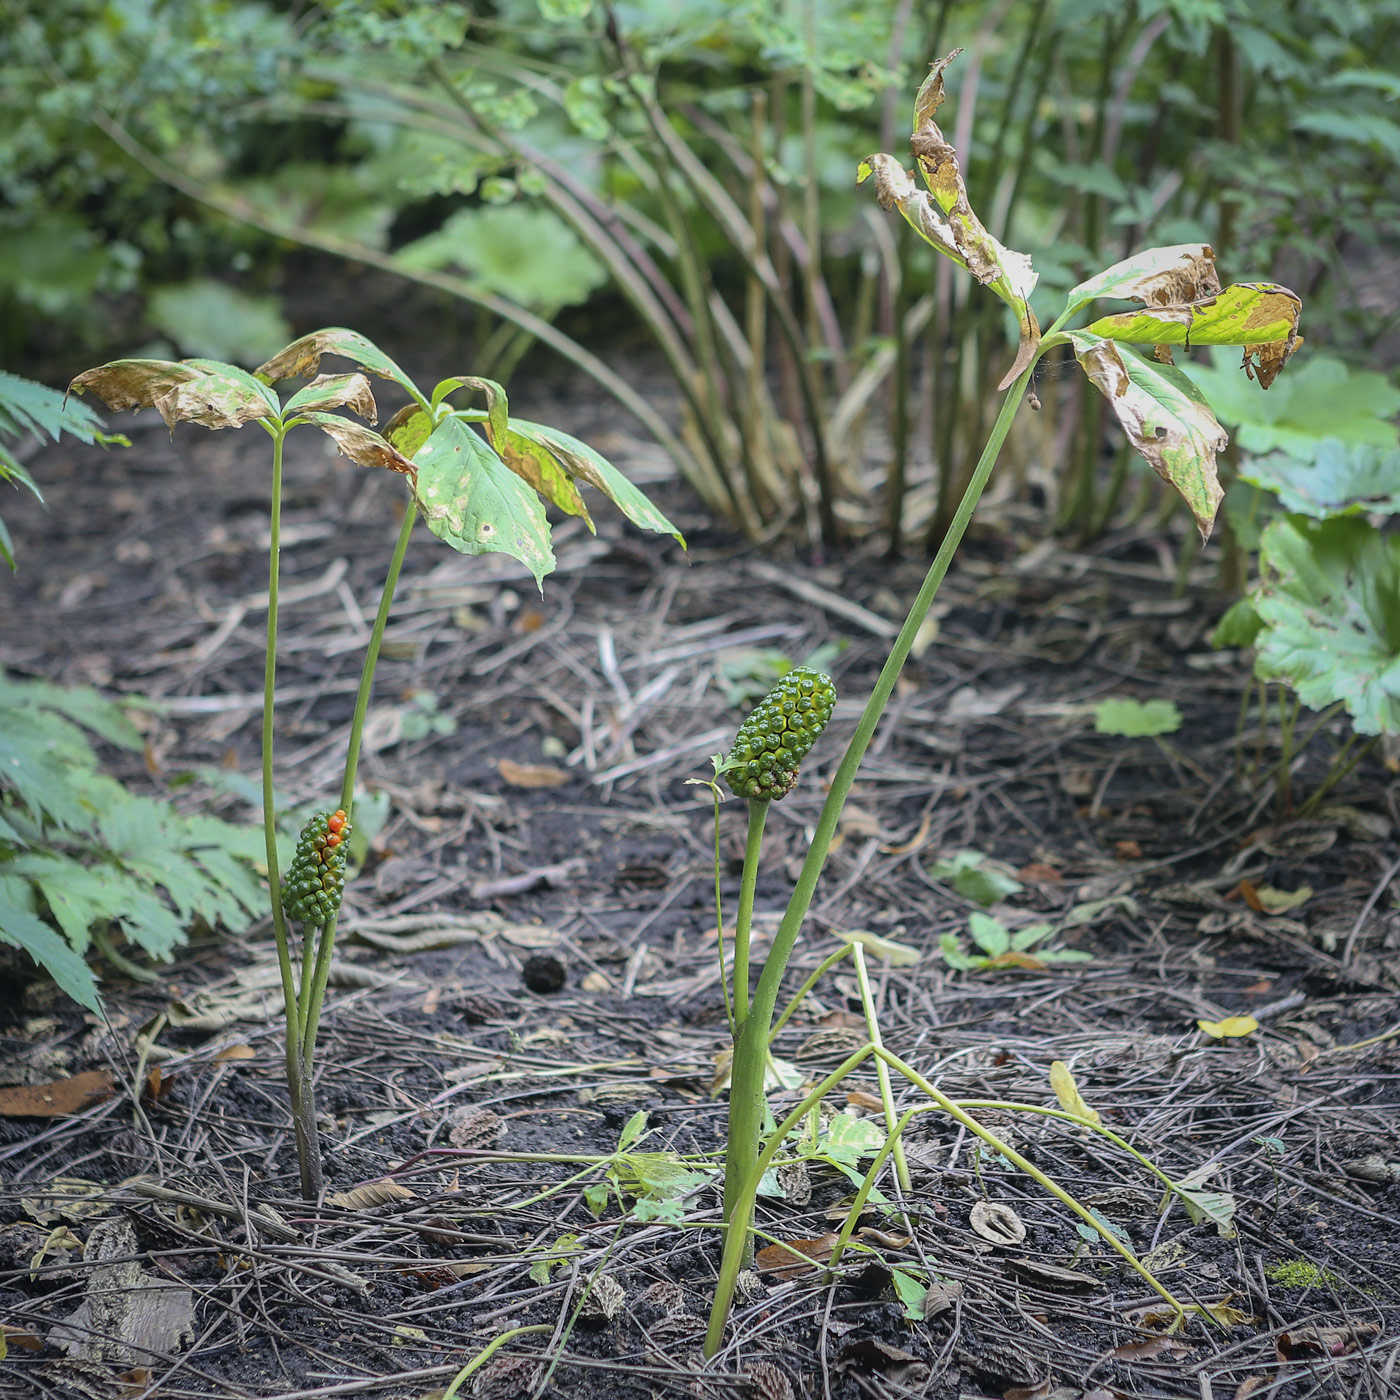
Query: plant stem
758	815
882	1070
751	1047
326	943
308	1149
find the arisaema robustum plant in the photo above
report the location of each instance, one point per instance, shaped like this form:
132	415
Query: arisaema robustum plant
1180	303
476	476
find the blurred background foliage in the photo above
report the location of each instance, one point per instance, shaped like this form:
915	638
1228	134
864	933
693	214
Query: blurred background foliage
662	193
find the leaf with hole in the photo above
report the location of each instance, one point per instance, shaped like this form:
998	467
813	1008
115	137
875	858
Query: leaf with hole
1165	418
474	502
1260	316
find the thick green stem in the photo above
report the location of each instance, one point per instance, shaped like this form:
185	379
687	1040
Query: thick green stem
758	815
751	1047
308	1149
326	944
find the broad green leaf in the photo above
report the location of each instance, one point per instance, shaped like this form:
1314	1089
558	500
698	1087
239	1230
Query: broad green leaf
475	503
21	928
1156	276
1062	1081
329	391
206	392
593	469
208	317
990	934
976	877
1239	627
1165	417
1342	479
303	357
848	1138
949	223
1330	604
1365	128
1260	316
1136	719
886	949
1028	937
1231	1028
912	1293
526	253
360	444
1322	399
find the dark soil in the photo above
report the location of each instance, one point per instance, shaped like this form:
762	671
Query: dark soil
442	1072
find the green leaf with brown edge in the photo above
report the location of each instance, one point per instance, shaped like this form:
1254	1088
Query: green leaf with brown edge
474	502
409	429
1165	418
207	392
329	391
593	469
536	465
361	445
1156	277
1254	314
497	405
303	356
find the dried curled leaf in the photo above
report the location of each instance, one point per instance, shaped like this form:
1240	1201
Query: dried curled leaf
372	1193
361	445
948	221
303	356
329	391
206	392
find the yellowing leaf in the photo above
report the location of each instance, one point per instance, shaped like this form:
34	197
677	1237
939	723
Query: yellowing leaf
1273	901
896	954
1067	1091
1230	1027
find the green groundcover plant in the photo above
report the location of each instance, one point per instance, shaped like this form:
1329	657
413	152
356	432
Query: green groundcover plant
476	476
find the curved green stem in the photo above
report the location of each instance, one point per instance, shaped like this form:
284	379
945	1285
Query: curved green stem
825	966
751	1048
326	943
743	924
488	1351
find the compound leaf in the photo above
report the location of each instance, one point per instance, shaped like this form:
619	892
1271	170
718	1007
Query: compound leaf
1342	479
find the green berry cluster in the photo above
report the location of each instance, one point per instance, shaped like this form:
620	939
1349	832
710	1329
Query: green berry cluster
312	889
779	734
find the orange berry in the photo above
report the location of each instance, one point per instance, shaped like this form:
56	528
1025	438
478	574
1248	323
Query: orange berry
333	839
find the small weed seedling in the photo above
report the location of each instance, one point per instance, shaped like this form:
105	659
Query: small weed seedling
479	492
1003	948
1181	303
